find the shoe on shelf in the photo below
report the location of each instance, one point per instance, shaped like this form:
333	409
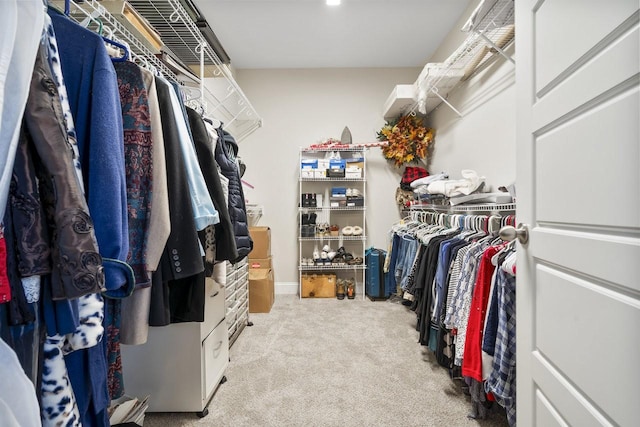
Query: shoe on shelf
355	192
349	192
356	230
347	231
326	248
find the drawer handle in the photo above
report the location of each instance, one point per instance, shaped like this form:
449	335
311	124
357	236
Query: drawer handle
215	295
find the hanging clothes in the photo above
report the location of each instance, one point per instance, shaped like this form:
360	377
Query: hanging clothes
94	100
135	308
459	287
22	23
182	257
226	152
204	212
225	244
95	105
501	382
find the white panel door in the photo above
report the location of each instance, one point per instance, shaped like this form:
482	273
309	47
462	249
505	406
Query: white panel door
578	177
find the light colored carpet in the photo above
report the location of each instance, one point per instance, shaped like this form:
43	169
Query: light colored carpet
325	362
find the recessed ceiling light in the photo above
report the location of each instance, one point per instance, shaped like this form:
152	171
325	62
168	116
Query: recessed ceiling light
333	2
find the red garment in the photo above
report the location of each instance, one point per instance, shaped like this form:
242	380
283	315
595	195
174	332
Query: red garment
411	173
5	289
472	358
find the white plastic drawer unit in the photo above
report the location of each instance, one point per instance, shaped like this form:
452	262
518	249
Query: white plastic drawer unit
215	351
181	364
214	307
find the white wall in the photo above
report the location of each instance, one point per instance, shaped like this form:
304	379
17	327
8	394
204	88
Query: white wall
301	107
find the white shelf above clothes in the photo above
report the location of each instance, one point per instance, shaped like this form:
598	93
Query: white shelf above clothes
489	207
491	29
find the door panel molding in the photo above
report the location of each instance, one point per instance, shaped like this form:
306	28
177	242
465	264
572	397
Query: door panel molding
578	409
568	34
546	413
617	256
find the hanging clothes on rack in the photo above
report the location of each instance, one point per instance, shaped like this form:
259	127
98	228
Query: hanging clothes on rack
107	195
94	100
225	244
135	308
22	23
449	280
226	156
181	261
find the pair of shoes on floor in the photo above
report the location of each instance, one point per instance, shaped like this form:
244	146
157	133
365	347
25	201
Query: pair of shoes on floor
345	288
352	230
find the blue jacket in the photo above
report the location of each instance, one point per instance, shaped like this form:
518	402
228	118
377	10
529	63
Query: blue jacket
94	99
92	87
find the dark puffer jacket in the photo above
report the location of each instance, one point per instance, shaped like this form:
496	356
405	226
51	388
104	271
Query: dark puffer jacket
226	152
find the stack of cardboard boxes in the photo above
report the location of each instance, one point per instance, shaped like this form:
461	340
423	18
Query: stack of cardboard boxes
261	287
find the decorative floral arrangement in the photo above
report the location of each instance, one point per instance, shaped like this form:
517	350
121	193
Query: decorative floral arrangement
408	140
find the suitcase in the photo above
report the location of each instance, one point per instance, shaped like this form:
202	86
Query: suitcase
374	275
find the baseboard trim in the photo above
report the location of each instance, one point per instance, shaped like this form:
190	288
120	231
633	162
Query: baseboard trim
286	288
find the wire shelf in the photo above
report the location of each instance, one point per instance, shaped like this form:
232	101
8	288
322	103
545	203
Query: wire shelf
91	10
336	147
349	208
332	179
181	35
505	207
332	267
491	30
221	96
330	238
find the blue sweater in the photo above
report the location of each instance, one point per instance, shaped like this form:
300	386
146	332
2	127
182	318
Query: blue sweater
95	105
92	87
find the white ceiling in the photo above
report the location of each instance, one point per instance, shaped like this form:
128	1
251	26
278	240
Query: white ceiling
310	34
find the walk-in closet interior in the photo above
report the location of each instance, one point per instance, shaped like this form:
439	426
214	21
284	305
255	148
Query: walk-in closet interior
319	213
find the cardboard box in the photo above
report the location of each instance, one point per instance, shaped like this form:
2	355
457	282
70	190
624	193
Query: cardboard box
261	237
261	290
352	163
318	286
261	263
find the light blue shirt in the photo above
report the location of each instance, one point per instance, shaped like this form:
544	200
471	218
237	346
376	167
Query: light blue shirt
203	210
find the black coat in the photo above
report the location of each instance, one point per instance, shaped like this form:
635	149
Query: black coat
226	249
181	262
